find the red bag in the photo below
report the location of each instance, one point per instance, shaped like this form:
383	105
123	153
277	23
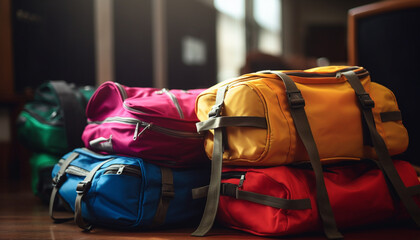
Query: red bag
359	195
157	125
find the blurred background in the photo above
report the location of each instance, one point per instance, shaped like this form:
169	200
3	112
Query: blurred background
156	43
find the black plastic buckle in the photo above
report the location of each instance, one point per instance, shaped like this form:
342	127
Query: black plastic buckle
58	180
295	99
168	191
229	189
366	101
83	187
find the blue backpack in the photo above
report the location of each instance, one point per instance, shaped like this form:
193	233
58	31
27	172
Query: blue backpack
126	192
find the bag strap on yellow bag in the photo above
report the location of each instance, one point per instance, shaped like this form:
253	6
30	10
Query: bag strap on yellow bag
296	104
384	159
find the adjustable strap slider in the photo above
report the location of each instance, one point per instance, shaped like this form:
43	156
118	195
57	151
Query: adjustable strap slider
365	100
58	180
295	99
83	187
168	191
215	111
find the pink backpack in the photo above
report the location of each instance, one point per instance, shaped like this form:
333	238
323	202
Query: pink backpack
157	125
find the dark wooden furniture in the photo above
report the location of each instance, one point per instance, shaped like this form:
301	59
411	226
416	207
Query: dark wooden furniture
384	37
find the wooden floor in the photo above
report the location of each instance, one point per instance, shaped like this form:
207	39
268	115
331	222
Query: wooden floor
24	216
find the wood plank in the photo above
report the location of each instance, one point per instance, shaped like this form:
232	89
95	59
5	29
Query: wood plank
23	216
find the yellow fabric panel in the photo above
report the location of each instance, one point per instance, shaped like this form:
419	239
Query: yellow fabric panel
394	133
331	106
245	143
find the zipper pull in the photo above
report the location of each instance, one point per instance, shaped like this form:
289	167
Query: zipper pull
120	170
136	131
137	134
53	115
241	181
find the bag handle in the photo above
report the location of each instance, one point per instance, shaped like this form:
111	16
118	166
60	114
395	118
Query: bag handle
73	113
166	195
81	190
57	181
384	158
300	119
213	194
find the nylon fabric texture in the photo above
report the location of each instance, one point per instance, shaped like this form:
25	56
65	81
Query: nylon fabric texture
358	193
157	125
124	193
331	107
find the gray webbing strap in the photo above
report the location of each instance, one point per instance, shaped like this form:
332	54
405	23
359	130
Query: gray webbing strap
381	149
213	194
237	121
81	189
166	195
297	103
200	192
232	190
57	181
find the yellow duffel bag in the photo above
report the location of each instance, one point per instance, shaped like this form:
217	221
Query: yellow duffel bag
321	115
260	130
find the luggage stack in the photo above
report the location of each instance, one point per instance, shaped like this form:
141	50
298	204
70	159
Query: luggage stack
305	150
141	161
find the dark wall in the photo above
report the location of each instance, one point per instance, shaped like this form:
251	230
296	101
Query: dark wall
133	49
191	25
388	47
53	39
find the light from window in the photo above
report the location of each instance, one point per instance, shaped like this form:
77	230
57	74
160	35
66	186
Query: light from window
267	14
231	47
232	8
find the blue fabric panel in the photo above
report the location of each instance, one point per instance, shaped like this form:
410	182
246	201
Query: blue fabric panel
130	201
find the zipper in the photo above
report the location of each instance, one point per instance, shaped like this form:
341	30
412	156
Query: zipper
136	131
77	171
148	126
132	109
43	120
175	101
361	73
122	91
238	175
125	96
122	169
164	90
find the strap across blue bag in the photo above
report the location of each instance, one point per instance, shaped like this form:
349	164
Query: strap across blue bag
126	192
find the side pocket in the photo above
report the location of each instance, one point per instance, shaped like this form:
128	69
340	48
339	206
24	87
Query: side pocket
112	201
392	129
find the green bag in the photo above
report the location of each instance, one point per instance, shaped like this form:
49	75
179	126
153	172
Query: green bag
41	168
54	121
